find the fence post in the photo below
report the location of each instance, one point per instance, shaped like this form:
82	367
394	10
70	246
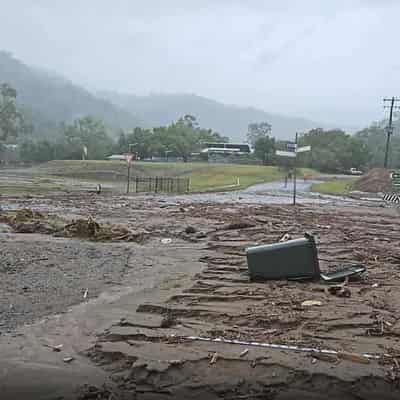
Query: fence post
156	185
136	184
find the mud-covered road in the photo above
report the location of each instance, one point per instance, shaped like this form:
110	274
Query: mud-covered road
126	307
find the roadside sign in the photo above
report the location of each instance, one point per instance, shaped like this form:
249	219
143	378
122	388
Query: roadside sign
128	158
293	153
291	146
395	176
285	153
303	149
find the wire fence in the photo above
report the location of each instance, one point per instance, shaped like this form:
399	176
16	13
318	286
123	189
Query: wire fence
159	184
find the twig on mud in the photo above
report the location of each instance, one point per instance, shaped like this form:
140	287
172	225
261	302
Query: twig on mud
39	259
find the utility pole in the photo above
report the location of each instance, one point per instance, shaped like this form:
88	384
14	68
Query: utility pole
389	128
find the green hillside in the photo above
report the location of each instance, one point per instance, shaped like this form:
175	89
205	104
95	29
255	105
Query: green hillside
48	99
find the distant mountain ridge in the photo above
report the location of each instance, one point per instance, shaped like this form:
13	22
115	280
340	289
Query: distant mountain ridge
229	120
49	99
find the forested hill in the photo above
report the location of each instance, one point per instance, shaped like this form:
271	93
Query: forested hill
49	99
231	121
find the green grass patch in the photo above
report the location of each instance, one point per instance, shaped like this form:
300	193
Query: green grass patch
335	186
203	176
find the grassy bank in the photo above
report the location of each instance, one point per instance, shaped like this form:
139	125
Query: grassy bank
203	176
335	186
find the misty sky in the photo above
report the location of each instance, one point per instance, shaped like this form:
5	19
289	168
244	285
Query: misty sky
329	60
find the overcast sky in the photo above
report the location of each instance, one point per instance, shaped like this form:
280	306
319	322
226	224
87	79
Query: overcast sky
329	60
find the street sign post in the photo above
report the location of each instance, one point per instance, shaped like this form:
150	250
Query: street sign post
128	157
293	151
285	153
303	149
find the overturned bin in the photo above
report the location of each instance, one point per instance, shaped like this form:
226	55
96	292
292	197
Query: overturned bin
293	259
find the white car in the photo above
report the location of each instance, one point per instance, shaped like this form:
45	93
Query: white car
355	171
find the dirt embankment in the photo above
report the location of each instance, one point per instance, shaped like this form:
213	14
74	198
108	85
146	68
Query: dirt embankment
375	181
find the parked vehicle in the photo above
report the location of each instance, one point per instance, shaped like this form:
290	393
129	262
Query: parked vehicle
355	171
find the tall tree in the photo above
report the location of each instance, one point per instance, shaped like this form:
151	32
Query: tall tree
89	133
257	131
264	149
10	118
333	150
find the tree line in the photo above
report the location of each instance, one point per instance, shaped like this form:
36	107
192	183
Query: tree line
332	150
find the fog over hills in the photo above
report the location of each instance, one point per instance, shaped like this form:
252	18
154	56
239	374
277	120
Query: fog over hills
49	99
229	120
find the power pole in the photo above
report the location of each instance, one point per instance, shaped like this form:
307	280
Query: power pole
389	128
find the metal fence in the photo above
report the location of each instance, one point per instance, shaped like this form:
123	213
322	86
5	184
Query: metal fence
159	184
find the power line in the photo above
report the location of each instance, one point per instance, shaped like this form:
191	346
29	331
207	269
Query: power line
389	128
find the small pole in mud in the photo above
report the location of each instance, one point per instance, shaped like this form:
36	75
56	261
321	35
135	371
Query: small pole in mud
129	177
129	158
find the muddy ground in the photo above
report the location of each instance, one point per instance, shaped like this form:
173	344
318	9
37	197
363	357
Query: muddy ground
143	299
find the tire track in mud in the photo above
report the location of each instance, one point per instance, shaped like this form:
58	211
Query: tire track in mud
223	303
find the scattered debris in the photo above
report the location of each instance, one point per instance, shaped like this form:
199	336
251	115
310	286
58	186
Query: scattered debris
29	221
56	348
325	357
237	225
358	358
190	230
339	291
243	353
85	294
68	359
85	228
311	303
271	331
166	241
214	358
201	235
313	351
285	238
